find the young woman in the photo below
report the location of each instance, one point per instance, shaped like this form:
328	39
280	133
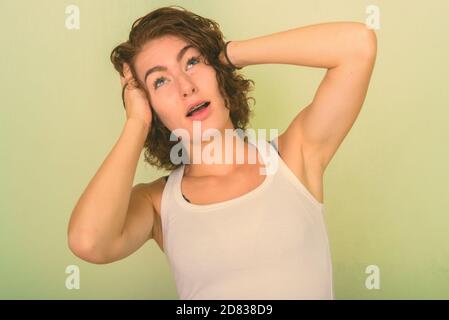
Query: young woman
228	231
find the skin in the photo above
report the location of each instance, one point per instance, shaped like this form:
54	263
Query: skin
347	50
181	85
184	83
110	221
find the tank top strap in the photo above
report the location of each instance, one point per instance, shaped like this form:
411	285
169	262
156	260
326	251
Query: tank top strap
270	156
171	179
288	174
167	199
274	143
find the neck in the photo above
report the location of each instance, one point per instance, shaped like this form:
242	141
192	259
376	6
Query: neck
222	155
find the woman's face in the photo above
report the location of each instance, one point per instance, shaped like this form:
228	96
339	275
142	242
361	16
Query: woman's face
180	84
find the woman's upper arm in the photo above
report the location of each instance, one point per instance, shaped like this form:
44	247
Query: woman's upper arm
139	223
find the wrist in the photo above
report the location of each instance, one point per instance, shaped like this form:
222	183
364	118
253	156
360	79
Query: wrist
138	124
229	55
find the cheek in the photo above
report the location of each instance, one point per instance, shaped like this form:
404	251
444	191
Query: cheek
212	77
171	119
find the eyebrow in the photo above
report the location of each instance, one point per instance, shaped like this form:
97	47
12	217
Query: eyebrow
162	68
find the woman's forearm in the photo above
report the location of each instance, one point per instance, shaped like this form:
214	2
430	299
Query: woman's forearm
322	45
99	215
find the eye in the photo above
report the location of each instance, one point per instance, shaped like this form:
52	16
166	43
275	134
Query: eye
194	59
156	82
190	61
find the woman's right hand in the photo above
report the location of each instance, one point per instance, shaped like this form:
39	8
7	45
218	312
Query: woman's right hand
136	103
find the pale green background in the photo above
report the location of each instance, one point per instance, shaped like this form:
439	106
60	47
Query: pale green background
386	189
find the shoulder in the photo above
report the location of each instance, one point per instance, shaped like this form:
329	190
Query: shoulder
154	187
154	191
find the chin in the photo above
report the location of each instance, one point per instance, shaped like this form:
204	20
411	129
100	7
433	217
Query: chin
204	125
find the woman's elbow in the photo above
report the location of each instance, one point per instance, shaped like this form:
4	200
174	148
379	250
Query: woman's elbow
85	249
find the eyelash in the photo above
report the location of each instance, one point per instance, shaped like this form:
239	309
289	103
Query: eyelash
197	59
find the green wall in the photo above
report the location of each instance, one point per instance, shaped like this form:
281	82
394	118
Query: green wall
385	191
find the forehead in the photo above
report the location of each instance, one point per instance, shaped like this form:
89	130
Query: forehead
161	51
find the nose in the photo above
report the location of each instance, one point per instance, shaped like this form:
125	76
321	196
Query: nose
187	86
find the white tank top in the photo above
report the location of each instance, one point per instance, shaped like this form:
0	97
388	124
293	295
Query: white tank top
270	243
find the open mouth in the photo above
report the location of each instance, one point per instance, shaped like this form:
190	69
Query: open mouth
197	109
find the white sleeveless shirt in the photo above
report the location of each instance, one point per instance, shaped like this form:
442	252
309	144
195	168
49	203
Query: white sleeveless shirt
270	243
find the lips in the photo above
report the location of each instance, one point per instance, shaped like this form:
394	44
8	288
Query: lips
192	106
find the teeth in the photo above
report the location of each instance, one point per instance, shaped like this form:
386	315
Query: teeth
197	107
200	105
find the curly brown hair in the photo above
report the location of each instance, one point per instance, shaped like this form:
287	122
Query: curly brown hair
206	36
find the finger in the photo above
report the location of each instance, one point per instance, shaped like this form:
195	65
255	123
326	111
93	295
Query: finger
129	76
123	95
127	71
123	81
